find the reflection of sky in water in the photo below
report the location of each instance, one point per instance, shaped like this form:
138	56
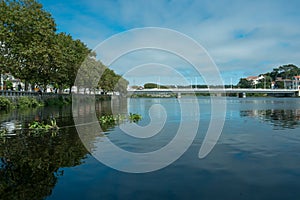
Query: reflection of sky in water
11	126
250	161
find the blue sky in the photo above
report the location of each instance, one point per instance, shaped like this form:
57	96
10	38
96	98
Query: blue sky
242	37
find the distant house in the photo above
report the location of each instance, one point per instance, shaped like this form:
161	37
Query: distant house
255	79
7	79
287	83
296	82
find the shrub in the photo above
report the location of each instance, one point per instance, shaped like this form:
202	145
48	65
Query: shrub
5	103
60	101
27	102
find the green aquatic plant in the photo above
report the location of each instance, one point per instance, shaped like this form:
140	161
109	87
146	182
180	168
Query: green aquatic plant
38	128
3	132
133	117
109	121
117	119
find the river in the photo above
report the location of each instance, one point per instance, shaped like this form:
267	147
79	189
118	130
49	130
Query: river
256	157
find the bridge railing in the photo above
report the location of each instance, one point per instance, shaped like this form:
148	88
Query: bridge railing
216	90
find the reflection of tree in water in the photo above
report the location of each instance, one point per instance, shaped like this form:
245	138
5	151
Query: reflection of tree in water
279	118
30	166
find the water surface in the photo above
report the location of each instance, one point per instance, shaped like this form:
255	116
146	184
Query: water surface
256	157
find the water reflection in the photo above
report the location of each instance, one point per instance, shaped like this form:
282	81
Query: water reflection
279	118
243	161
30	166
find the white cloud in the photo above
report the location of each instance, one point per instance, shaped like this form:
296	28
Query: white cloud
243	37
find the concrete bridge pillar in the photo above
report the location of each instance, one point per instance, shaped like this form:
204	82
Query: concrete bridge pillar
178	95
242	95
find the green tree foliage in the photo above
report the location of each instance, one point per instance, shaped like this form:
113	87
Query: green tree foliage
244	83
288	71
69	56
32	50
284	72
95	75
150	85
26	37
265	82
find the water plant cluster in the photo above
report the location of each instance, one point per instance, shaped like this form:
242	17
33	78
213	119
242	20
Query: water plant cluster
3	132
35	128
108	120
133	117
38	128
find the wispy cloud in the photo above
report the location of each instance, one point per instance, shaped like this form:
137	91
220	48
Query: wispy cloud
243	37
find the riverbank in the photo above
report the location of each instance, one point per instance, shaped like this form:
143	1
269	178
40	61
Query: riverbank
45	99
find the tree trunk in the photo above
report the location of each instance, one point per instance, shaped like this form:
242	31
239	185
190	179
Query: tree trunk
26	86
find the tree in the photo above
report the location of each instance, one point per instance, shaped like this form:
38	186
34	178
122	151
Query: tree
110	81
274	73
94	74
244	83
265	82
89	73
32	50
288	71
150	85
68	56
26	36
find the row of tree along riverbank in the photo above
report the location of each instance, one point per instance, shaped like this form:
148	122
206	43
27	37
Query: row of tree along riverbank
32	51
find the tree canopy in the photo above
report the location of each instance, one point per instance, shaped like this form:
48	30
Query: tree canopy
34	52
284	72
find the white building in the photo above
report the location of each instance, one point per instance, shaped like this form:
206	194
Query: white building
296	82
8	78
255	79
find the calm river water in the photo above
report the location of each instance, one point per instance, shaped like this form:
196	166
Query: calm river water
256	157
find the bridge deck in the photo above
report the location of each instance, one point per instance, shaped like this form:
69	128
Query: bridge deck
215	90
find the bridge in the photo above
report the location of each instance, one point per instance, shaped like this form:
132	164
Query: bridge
217	91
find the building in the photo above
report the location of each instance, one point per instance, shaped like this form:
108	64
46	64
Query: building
285	83
8	82
296	82
255	79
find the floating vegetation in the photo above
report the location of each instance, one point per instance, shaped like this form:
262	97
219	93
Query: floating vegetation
39	128
109	121
134	117
3	132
